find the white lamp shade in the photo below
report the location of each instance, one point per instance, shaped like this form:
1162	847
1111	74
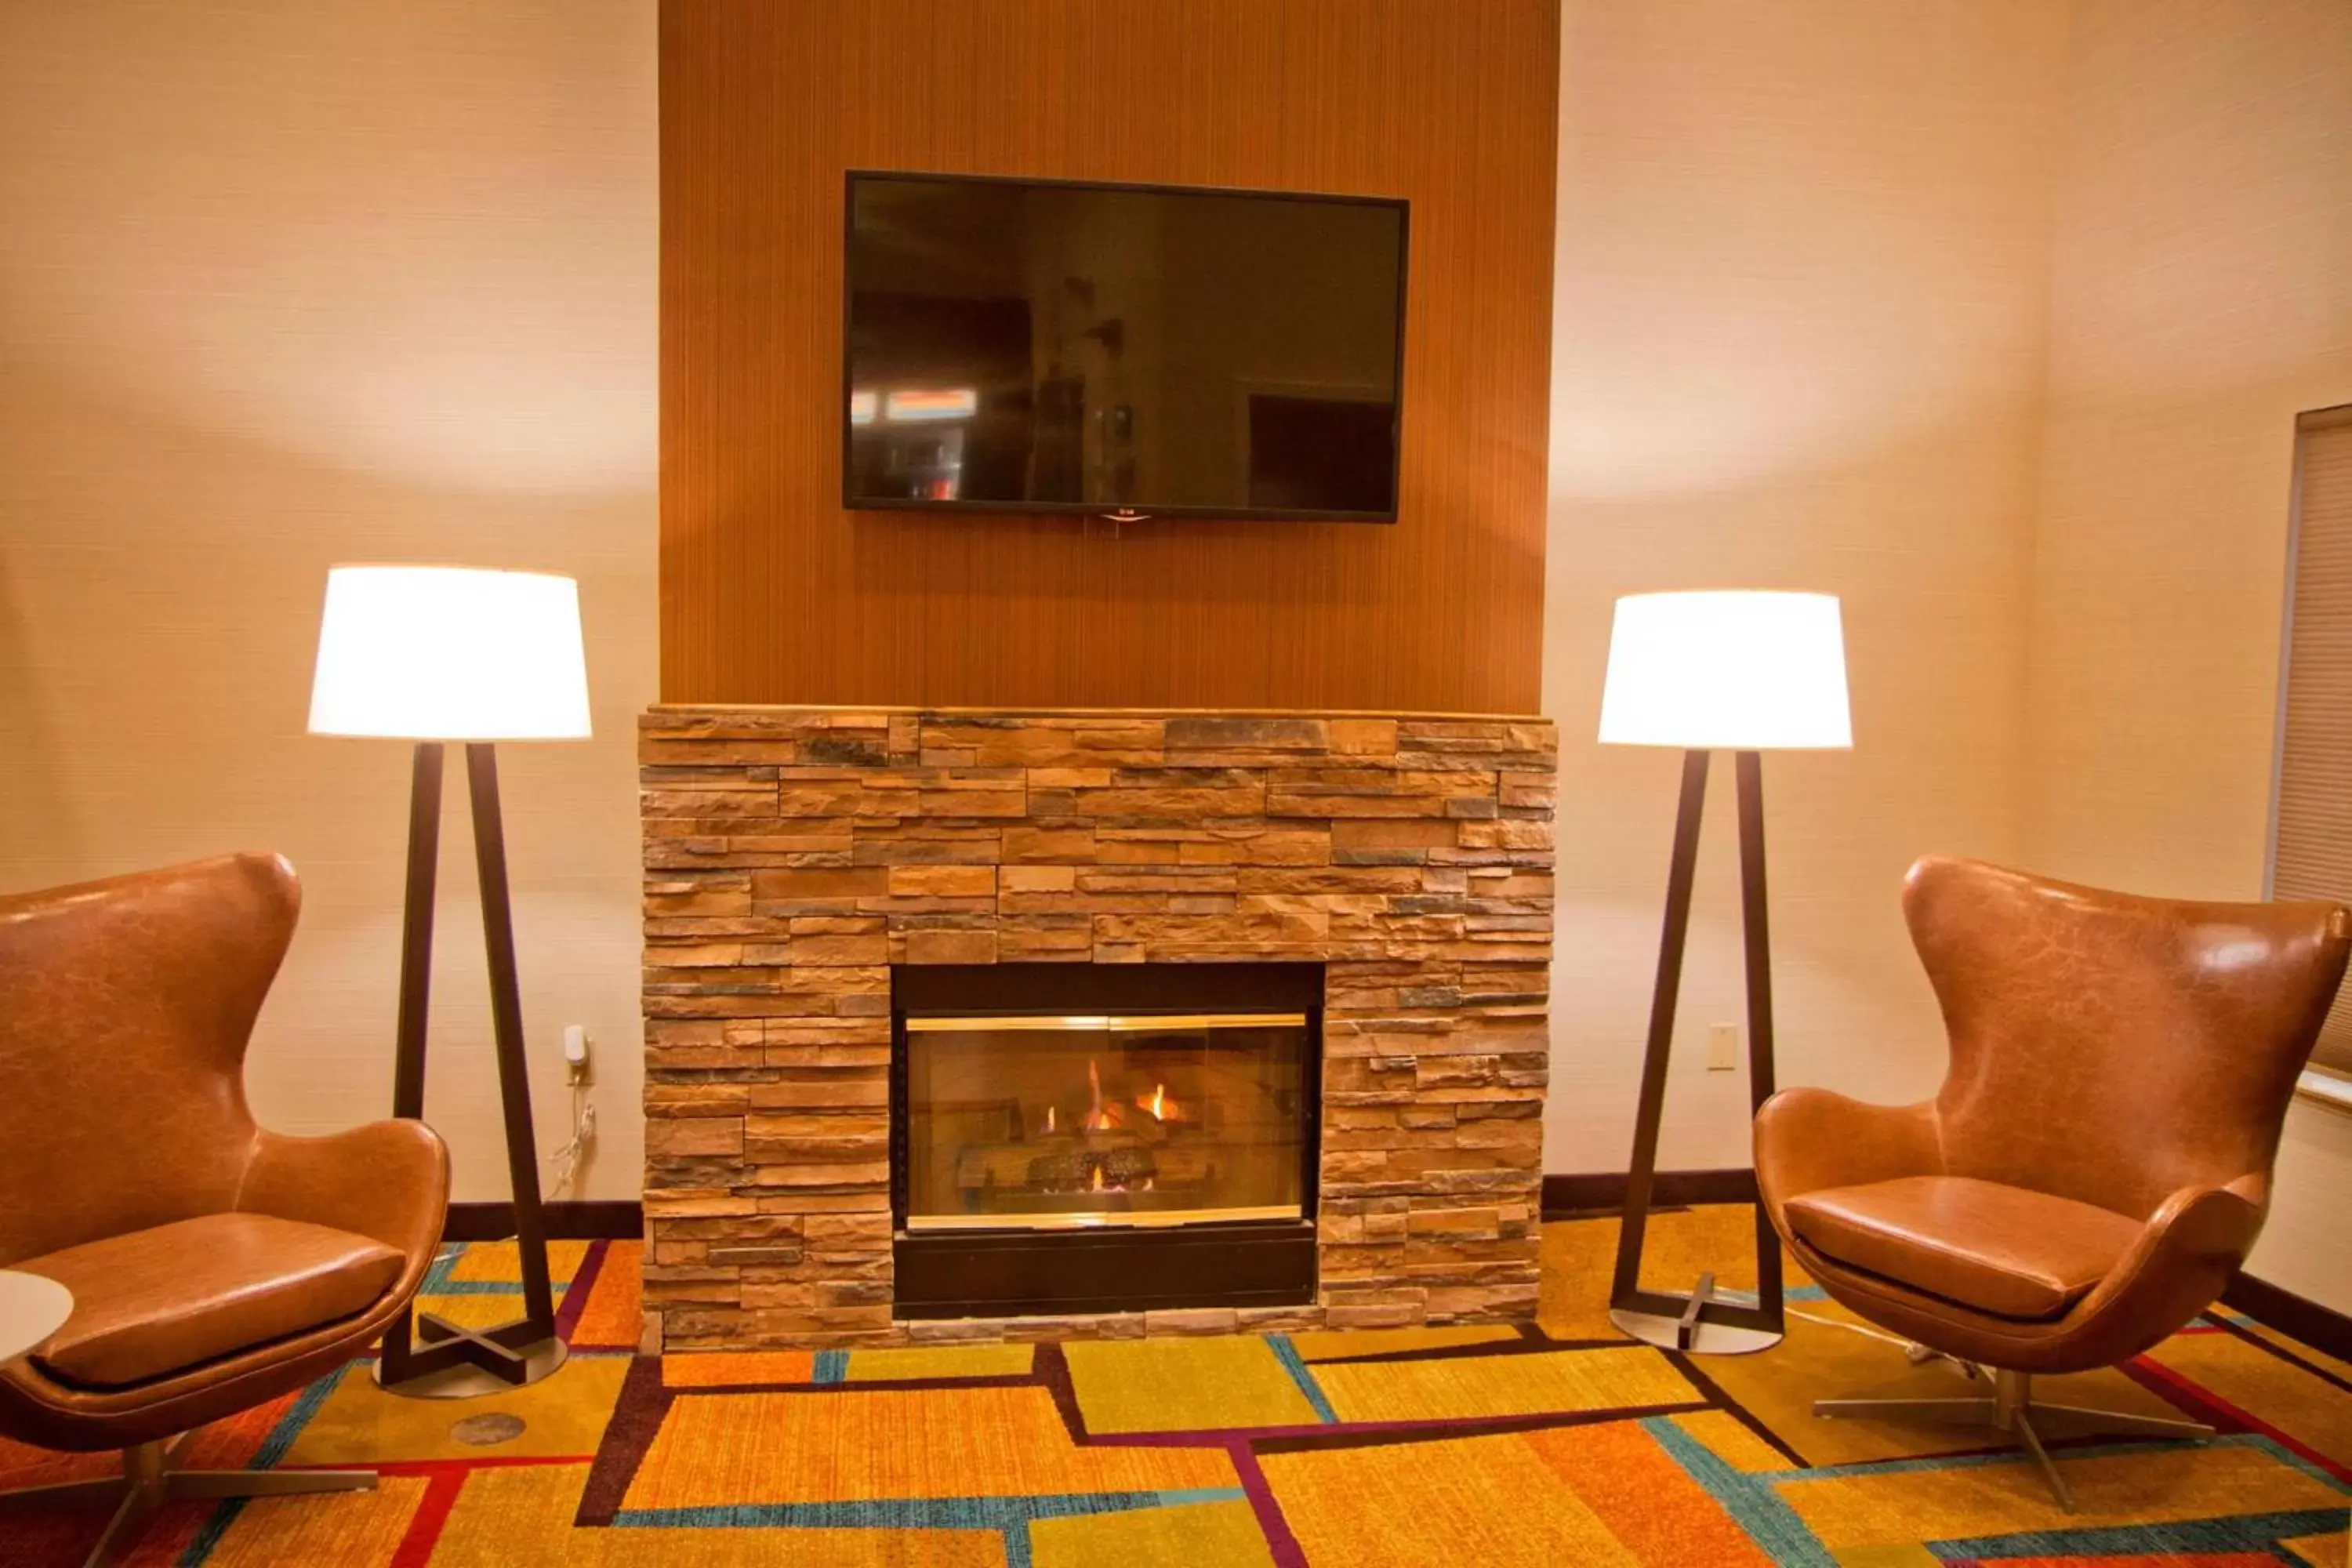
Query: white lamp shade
1736	671
450	653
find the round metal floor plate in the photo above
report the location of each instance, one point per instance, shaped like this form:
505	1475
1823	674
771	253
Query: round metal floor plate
481	1431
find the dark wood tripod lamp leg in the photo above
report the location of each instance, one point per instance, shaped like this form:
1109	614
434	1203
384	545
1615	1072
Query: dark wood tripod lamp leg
453	1361
1700	1320
506	1023
1755	928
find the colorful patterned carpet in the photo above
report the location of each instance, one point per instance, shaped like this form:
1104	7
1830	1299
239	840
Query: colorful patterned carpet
1476	1446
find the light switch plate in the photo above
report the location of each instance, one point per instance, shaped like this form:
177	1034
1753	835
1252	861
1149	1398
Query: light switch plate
1722	1048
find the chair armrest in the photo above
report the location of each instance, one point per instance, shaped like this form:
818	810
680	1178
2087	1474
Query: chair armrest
1808	1139
388	1180
2198	1230
2183	1257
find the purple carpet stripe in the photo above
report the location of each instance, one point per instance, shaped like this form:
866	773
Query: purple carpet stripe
576	1294
1361	1433
2271	1347
1280	1543
855	1390
636	1420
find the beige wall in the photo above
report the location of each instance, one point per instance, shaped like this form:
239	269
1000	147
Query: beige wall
1798	343
2202	296
289	283
1993	318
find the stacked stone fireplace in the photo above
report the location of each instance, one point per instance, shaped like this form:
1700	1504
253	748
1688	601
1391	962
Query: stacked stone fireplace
798	859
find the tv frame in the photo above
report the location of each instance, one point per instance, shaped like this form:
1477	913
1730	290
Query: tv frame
1138	513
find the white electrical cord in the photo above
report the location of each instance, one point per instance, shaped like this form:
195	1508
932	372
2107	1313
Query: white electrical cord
568	1159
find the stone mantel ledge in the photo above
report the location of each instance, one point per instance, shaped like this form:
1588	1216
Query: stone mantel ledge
794	854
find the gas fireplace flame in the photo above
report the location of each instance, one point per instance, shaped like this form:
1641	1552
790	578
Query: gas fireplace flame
1158	1103
1098	1120
1049	1119
1097	1185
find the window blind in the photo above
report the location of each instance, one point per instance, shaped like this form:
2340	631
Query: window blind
2311	850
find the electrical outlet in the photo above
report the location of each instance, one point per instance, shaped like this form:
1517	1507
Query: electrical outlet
1722	1048
577	1067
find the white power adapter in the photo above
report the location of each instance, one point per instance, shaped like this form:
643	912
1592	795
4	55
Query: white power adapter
575	1053
568	1159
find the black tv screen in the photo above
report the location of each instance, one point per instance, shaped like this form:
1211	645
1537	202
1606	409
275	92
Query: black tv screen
1018	345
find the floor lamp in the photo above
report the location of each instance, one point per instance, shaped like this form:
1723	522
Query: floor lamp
1742	672
435	655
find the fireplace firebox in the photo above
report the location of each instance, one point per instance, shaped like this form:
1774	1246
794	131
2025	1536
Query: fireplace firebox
1081	1137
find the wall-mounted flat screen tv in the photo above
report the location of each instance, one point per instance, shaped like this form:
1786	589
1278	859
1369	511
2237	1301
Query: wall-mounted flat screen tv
1027	345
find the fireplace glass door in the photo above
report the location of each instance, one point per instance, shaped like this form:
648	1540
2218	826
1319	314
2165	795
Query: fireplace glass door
1100	1120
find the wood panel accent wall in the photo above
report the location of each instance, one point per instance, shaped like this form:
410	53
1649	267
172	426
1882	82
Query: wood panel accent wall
772	593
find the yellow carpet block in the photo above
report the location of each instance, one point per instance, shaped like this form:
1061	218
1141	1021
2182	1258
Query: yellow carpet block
614	1314
1192	1535
1580	1256
716	1369
1470	1387
1730	1439
2284	1395
941	1361
2150	1486
2328	1550
1330	1344
358	1529
1185	1384
893	1443
1820	1360
520	1517
1492	1502
563	1416
499	1262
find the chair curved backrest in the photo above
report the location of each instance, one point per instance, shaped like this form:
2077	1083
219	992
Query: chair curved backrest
125	1008
2112	1049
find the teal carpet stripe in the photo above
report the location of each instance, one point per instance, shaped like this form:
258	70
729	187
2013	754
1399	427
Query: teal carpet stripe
912	1513
484	1287
1296	1365
2017	1456
2243	1533
272	1450
1750	1500
832	1366
1009	1516
445	1262
436	1273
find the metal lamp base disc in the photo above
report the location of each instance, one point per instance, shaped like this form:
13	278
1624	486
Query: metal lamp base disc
1706	1339
473	1382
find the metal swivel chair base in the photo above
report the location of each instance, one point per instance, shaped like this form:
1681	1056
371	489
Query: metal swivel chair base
148	1482
2011	1408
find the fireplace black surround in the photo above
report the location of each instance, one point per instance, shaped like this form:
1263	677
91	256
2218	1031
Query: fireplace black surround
1077	1137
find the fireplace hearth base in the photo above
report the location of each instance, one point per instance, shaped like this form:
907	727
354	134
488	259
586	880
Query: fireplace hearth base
1106	1273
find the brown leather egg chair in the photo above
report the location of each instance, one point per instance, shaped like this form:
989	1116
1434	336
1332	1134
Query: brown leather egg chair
2098	1161
213	1264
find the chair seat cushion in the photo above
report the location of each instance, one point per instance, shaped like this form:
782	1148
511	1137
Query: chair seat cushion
2010	1251
150	1302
